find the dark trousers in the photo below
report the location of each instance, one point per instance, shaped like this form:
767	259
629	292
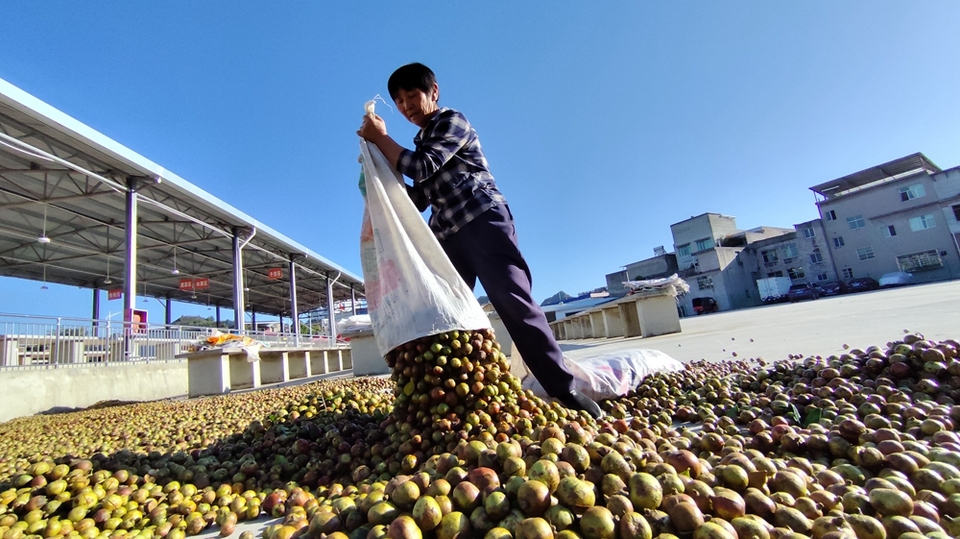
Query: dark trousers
486	249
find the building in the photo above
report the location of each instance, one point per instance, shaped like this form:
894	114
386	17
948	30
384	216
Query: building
815	254
898	216
801	254
946	183
698	235
663	264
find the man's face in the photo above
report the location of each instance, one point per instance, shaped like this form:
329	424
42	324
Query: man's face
416	105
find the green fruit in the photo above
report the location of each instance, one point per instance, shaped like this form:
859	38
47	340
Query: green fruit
534	528
576	494
645	491
597	522
427	513
454	525
634	526
890	502
403	527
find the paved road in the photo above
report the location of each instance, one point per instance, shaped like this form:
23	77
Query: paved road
819	327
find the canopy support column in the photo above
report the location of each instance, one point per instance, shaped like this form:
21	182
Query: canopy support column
130	254
238	300
96	311
331	318
130	265
96	303
294	315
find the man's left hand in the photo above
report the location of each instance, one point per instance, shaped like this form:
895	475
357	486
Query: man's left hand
373	128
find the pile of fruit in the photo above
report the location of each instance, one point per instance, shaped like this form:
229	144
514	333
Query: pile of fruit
858	445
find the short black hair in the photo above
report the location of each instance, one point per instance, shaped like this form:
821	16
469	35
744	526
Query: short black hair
414	76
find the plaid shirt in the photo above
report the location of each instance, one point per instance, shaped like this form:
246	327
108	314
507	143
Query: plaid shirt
450	173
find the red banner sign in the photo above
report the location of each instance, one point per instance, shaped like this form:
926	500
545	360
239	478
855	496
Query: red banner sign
200	283
186	284
275	273
116	293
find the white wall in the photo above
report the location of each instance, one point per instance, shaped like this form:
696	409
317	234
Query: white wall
27	392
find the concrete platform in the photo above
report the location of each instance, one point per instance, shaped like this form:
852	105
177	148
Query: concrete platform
218	371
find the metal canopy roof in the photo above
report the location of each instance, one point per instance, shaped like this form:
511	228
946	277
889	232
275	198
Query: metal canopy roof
62	179
897	168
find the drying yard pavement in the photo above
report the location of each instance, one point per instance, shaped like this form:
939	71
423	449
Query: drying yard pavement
275	449
818	327
774	332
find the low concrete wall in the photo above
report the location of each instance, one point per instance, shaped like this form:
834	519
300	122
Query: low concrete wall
27	392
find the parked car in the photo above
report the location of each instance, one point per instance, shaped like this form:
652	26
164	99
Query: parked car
897	278
861	284
705	305
834	288
801	291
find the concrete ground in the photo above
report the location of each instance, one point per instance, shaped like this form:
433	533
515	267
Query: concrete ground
819	327
772	332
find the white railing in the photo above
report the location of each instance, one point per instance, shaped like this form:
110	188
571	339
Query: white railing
44	342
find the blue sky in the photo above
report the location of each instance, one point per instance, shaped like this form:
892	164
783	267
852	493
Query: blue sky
602	126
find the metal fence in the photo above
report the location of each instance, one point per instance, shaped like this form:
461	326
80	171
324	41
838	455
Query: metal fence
44	342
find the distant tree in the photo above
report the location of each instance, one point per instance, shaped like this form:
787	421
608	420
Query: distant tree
201	322
75	332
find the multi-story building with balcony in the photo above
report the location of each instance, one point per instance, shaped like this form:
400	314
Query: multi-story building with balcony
897	216
709	249
801	254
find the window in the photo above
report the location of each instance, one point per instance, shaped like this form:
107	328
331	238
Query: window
922	222
822	277
855	222
920	261
914	191
770	256
865	253
683	250
888	231
795	273
838	242
816	258
790	251
956	211
704	244
704	282
830	215
808	232
777	273
848	273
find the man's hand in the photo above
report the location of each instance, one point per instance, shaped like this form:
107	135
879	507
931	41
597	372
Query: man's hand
373	128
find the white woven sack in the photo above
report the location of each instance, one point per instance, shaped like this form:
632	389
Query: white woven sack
412	288
612	374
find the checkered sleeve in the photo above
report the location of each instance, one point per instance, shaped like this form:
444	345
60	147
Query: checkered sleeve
437	146
419	197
